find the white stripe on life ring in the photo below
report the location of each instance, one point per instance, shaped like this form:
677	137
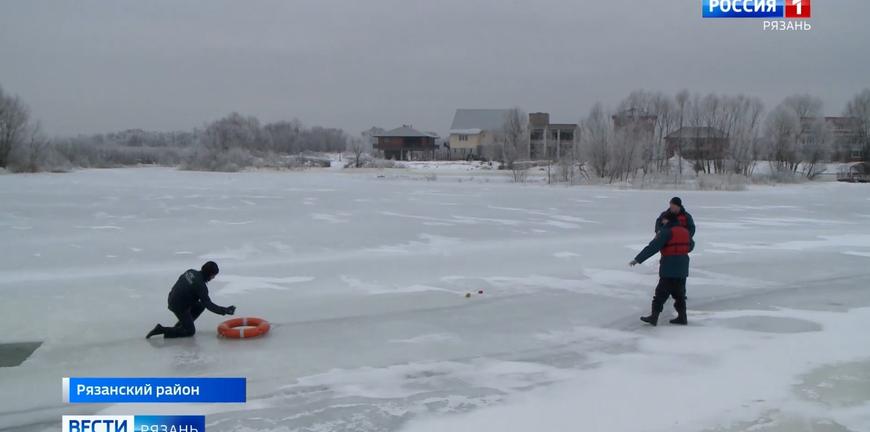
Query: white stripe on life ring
242	333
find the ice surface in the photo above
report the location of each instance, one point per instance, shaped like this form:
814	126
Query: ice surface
365	279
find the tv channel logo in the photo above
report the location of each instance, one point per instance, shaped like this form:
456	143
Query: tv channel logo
793	9
138	423
798	9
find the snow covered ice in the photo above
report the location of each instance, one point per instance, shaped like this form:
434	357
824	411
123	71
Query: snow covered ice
364	281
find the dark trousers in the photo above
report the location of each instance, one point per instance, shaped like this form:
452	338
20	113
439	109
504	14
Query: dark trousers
670	287
184	327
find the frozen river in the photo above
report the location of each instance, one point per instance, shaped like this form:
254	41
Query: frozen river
365	279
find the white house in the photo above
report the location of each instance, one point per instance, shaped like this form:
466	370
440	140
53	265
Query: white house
474	128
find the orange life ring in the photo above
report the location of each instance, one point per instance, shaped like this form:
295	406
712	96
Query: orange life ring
242	328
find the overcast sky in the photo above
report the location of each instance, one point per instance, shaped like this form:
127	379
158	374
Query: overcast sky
95	66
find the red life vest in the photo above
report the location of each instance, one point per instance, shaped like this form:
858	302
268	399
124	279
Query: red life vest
680	242
683	221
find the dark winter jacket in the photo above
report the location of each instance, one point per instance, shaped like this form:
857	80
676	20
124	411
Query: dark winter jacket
684	218
673	266
190	290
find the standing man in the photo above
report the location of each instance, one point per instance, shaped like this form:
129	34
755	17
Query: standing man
674	242
676	210
187	299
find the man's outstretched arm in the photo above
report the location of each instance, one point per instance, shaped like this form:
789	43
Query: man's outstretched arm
202	293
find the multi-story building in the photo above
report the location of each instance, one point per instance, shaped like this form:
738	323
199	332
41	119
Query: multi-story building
846	145
698	143
551	141
407	143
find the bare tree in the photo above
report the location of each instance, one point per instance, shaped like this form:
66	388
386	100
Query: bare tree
713	114
234	130
695	117
815	145
783	129
804	105
226	144
514	137
285	137
32	153
682	99
743	129
519	173
814	141
595	140
664	108
357	147
571	164
645	111
859	108
625	156
321	139
14	120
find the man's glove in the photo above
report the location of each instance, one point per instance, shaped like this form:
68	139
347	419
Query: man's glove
633	263
230	310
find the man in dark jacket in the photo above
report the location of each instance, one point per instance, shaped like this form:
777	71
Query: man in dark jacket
676	210
187	299
674	242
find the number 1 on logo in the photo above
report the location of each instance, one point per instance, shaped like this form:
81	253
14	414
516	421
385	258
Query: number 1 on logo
799	9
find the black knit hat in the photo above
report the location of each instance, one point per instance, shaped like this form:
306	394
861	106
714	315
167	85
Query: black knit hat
210	269
677	201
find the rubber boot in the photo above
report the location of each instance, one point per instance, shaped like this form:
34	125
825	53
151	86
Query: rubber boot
681	318
652	319
157	330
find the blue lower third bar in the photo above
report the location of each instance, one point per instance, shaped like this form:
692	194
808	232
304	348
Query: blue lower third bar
154	390
742	8
156	423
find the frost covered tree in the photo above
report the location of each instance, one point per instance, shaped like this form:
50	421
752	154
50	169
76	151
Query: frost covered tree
697	112
859	108
357	146
783	128
682	102
798	135
625	155
32	153
285	136
661	107
235	141
665	109
804	105
610	154
711	112
737	119
14	125
742	126
514	137
815	144
595	140
23	148
233	131
226	144
321	139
